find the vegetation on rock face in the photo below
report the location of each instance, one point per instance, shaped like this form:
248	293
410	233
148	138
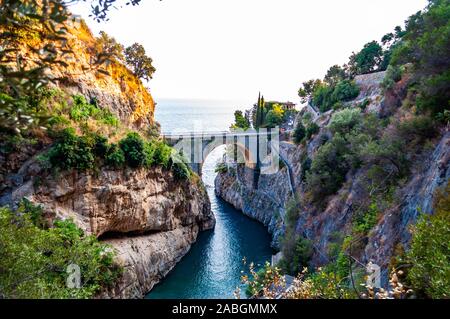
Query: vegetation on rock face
299	132
92	150
430	250
378	153
326	96
37	261
46	31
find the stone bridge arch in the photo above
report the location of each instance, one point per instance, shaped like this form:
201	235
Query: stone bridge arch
252	145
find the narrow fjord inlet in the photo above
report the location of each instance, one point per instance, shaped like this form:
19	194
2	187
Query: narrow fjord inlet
154	150
213	266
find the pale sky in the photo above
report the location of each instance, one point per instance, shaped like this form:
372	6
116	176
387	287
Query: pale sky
232	49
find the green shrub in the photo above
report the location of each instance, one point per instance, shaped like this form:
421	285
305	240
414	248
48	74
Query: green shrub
306	166
393	75
302	255
179	166
133	149
312	129
114	156
72	151
81	110
421	127
149	150
163	153
345	121
299	133
328	169
181	171
366	221
106	117
100	145
327	96
429	253
322	98
345	90
34	261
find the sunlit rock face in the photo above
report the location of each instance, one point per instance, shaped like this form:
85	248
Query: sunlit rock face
147	215
111	83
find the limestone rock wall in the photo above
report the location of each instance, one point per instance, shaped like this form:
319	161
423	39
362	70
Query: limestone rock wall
148	216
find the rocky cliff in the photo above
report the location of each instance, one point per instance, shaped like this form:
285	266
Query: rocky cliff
271	199
149	217
85	70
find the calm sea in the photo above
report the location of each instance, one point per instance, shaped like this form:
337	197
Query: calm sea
188	115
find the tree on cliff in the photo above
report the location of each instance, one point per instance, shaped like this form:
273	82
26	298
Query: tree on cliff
138	60
307	89
109	46
22	76
426	46
334	75
367	60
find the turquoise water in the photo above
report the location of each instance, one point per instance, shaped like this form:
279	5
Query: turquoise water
212	268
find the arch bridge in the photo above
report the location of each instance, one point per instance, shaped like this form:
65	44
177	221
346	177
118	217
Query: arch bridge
257	149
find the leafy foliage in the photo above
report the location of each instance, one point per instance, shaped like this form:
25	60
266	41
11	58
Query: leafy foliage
274	116
311	130
42	25
299	132
345	90
72	151
307	89
133	149
34	260
109	46
343	122
367	60
425	45
241	121
365	222
82	110
429	253
114	156
326	96
140	63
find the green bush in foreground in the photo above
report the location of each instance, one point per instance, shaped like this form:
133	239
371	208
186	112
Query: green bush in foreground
429	253
34	260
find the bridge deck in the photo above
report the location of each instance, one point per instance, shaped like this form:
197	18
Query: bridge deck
212	134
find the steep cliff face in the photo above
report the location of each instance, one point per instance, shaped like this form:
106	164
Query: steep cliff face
267	203
416	197
271	199
109	82
148	216
119	90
